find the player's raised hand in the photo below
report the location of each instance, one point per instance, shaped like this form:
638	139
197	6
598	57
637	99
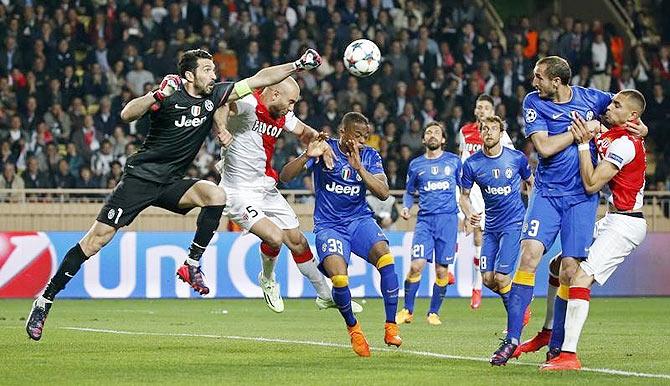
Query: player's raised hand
316	148
329	156
168	86
580	130
405	213
308	61
354	154
637	127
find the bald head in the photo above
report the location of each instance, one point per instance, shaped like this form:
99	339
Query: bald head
281	97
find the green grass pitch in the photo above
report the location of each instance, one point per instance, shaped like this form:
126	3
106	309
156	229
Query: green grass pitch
242	342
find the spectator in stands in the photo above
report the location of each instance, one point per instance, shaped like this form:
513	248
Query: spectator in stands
138	77
101	160
33	178
62	177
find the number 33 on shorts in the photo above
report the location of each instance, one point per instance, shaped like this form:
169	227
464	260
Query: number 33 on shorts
531	228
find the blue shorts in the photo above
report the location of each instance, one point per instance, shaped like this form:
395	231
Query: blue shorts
500	251
359	237
573	216
435	233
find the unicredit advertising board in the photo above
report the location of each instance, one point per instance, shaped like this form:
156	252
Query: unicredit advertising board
143	264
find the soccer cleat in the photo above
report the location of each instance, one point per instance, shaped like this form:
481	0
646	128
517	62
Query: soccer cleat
37	317
451	279
324	304
392	334
552	353
503	353
434	319
271	293
526	316
534	344
564	361
404	316
194	277
358	341
476	299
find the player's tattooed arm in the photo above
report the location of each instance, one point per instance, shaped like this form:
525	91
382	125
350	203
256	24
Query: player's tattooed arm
377	184
593	179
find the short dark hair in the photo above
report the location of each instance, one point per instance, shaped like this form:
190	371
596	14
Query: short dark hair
557	67
496	119
636	97
352	118
435	123
189	60
485	98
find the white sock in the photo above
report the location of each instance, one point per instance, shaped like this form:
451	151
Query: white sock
311	272
192	262
268	263
551	297
476	275
575	317
42	301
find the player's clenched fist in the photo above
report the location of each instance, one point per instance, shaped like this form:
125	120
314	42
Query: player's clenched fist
308	61
168	86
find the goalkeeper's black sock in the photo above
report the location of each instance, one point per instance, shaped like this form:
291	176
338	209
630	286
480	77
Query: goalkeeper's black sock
207	224
73	260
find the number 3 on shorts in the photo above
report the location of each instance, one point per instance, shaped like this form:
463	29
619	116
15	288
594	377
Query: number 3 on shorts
533	228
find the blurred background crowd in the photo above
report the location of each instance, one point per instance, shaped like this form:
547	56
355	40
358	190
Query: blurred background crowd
67	68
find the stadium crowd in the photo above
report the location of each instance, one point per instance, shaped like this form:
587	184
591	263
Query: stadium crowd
68	68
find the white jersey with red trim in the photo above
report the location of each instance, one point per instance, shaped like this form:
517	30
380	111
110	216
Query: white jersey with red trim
247	161
470	141
625	151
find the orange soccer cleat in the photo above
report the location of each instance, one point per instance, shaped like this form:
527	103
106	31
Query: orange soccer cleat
451	279
534	344
476	299
564	361
392	334
358	341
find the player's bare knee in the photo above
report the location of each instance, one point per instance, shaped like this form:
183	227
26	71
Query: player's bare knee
295	241
502	280
96	239
489	282
213	195
274	240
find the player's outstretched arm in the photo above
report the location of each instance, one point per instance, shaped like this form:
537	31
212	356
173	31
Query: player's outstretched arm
593	179
306	134
275	74
548	145
140	105
292	169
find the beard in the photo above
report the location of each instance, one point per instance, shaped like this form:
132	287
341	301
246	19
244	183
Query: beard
433	145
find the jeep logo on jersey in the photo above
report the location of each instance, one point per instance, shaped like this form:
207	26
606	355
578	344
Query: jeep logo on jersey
267	129
501	190
195	122
341	189
195	110
27	261
436	185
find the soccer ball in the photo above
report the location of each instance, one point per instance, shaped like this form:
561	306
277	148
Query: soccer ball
362	58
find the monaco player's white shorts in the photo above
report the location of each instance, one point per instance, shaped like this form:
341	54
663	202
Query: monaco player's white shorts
477	201
616	237
247	206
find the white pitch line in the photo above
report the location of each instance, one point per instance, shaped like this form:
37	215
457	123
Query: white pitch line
338	345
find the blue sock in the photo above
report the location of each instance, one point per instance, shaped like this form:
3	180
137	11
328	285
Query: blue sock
411	288
342	297
519	298
436	300
560	309
505	300
389	287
